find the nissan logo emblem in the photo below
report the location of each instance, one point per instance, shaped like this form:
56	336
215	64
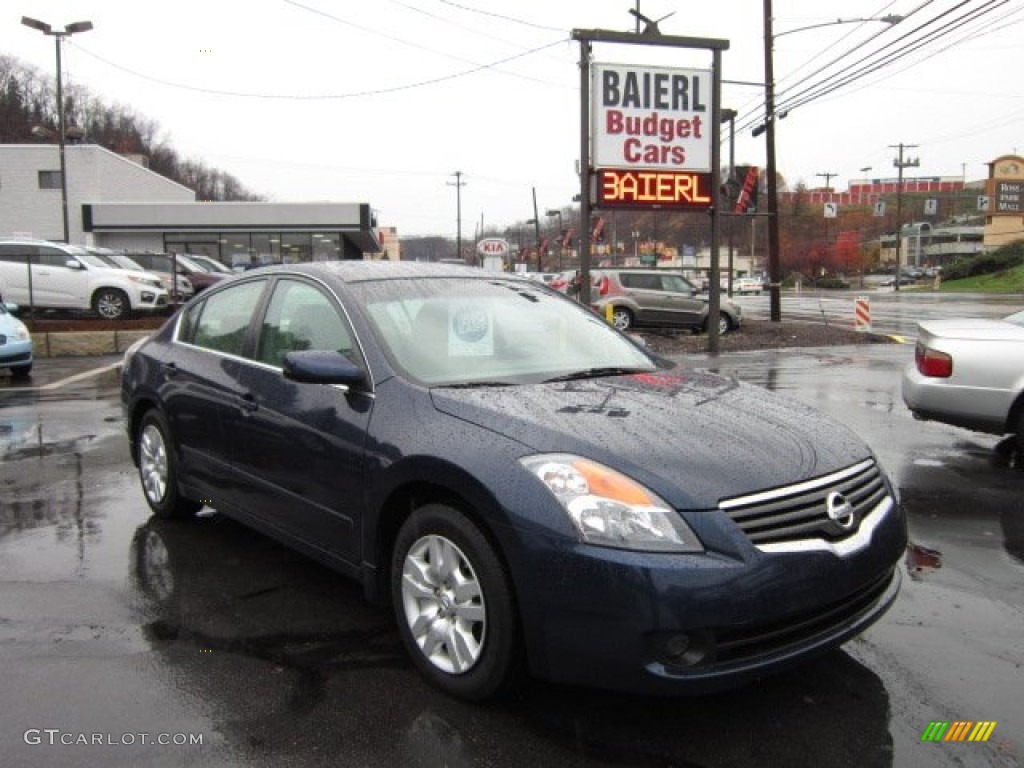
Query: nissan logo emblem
840	510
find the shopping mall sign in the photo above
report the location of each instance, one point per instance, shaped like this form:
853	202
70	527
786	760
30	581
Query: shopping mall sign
652	130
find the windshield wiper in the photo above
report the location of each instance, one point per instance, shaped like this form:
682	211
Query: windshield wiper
475	384
595	373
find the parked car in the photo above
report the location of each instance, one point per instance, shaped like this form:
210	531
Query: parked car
529	488
969	373
744	285
648	297
199	276
212	265
15	343
69	277
562	280
183	291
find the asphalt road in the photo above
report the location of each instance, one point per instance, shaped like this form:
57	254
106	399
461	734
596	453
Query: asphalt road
119	631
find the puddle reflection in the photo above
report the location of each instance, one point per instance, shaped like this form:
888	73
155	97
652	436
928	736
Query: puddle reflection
318	659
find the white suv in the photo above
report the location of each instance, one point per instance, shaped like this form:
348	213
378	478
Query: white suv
68	277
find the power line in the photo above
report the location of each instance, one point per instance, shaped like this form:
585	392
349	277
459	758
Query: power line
324	97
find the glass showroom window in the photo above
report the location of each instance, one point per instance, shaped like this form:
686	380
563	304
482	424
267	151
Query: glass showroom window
326	246
49	179
296	247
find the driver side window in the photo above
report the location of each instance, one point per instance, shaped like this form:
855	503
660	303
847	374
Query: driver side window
301	317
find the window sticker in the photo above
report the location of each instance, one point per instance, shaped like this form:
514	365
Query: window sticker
471	330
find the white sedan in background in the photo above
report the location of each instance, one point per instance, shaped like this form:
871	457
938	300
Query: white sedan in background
969	373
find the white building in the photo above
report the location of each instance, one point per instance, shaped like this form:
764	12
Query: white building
117	203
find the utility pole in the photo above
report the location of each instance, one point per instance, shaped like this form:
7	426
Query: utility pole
828	191
458	184
771	184
536	229
900	163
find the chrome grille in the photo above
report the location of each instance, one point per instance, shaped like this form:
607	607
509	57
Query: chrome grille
801	511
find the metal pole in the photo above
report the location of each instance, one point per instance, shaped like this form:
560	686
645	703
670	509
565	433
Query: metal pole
715	291
60	144
585	51
771	189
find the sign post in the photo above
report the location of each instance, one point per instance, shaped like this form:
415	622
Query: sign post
655	139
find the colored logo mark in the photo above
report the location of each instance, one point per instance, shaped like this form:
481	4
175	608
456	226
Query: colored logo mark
958	730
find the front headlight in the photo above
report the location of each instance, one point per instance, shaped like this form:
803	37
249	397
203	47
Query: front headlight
153	281
21	331
611	510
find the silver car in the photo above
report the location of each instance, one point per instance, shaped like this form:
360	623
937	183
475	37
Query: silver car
969	373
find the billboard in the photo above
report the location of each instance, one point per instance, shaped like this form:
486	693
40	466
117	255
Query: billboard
651	118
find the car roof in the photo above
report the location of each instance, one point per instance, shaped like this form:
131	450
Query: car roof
353	271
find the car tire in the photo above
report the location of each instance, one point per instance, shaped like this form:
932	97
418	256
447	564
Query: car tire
111	304
158	469
724	324
21	371
454	604
622	318
1020	429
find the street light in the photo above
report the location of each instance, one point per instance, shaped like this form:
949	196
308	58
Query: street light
70	29
771	188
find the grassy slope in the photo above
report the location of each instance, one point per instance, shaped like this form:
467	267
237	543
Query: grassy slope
1010	281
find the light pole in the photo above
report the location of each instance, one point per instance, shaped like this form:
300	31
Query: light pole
561	233
771	188
458	184
69	29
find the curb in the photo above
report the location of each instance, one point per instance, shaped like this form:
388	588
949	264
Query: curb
84	343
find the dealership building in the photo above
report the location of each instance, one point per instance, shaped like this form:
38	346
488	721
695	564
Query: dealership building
116	202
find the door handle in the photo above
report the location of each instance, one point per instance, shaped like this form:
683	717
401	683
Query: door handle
247	402
170	369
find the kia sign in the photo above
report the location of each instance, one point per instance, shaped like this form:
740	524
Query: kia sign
652	118
493	246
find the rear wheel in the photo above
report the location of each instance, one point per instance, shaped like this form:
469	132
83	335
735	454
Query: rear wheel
1020	429
454	604
622	318
111	304
158	469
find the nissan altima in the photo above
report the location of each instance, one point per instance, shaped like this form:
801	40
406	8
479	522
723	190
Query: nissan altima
532	491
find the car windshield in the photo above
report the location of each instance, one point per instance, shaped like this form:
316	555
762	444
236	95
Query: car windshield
492	331
126	262
95	261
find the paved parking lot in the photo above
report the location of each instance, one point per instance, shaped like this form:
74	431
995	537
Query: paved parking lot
118	631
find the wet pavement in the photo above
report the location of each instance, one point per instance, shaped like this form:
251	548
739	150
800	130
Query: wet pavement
119	630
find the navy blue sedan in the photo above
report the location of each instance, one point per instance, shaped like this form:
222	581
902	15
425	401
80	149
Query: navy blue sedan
531	490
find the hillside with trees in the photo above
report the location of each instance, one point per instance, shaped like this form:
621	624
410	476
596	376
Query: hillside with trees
27	102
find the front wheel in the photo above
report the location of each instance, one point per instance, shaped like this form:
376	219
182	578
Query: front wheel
111	304
158	469
21	371
454	604
622	318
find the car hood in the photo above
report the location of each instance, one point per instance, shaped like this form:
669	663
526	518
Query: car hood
691	436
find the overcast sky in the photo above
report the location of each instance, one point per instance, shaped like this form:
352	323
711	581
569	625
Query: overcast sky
381	102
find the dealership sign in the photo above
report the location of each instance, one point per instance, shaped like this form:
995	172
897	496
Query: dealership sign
493	246
651	118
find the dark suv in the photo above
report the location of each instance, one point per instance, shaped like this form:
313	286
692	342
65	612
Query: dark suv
654	298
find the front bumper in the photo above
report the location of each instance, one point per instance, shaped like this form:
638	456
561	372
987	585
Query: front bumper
15	353
689	624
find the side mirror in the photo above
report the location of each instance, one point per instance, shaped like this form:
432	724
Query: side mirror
11	307
74	264
322	367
